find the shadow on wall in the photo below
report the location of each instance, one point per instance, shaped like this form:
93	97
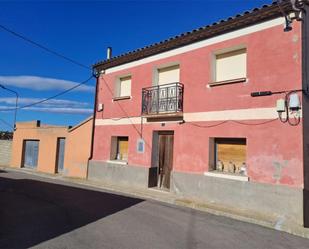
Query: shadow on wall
306	207
32	212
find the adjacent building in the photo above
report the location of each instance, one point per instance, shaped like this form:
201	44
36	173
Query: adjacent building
5	147
52	149
219	113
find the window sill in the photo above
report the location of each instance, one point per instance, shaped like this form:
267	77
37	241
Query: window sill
121	98
226	82
227	176
119	162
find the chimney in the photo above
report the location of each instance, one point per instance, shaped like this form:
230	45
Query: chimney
109	53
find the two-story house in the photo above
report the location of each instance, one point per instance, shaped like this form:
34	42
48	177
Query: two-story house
219	114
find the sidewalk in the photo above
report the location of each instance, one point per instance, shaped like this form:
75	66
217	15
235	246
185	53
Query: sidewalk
270	221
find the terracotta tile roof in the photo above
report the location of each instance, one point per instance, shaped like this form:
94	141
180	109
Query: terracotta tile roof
256	15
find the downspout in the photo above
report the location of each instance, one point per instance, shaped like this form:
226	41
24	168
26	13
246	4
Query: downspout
97	76
305	104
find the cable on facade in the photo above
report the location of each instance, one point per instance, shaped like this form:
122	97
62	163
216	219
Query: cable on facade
288	118
123	110
233	121
51	97
46	49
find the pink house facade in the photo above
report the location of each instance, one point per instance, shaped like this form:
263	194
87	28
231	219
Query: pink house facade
181	116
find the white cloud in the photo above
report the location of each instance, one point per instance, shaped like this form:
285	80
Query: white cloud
51	106
62	110
49	103
42	83
65	110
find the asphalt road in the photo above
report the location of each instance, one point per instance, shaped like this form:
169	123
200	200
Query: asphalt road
46	213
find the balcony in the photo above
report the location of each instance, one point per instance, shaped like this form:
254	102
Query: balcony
163	100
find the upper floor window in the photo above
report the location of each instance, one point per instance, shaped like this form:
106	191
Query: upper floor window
168	75
230	65
123	87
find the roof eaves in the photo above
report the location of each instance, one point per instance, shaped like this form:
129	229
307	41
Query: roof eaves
256	15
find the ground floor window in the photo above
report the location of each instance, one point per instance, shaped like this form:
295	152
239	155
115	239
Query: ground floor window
229	155
120	148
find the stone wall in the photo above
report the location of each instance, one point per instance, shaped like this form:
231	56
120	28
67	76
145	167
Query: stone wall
5	152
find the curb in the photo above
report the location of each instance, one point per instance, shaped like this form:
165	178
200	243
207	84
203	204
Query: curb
269	221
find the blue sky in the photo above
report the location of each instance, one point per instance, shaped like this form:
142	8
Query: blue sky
82	30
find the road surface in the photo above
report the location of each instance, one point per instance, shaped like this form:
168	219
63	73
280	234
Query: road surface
47	213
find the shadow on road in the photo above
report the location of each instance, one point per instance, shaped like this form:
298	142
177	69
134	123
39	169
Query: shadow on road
33	211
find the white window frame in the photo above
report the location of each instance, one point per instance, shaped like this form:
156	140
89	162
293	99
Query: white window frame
214	80
117	91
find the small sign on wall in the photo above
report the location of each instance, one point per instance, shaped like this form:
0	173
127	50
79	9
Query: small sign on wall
140	145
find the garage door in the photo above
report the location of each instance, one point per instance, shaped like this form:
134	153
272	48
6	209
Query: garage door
31	152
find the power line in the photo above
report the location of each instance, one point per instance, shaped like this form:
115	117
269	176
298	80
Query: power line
46	49
49	98
122	109
6	123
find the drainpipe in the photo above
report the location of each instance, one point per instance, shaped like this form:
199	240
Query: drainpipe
305	107
97	76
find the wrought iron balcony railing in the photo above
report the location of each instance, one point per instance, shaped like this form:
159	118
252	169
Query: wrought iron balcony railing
162	99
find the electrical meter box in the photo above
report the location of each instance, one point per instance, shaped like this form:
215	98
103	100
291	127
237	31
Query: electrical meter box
280	105
294	102
100	107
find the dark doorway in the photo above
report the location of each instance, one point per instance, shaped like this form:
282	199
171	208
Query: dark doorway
60	155
30	153
162	159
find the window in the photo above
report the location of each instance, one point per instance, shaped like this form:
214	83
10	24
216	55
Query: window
123	87
168	75
120	148
231	65
229	155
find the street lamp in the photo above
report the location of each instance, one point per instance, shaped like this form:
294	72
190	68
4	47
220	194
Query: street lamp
16	102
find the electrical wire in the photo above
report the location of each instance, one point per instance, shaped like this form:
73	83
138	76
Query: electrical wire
233	121
122	109
49	98
46	49
6	123
286	106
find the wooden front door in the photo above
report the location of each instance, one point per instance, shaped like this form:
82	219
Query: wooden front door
166	143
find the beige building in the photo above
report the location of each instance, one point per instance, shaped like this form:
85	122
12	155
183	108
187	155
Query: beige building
52	149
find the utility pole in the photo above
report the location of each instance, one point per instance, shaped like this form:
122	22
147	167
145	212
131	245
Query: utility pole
16	102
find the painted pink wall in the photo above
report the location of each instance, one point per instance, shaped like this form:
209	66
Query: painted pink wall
273	63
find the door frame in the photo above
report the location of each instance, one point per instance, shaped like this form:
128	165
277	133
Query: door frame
57	154
23	154
154	169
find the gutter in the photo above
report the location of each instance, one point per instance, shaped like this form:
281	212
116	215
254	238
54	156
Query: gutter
305	106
